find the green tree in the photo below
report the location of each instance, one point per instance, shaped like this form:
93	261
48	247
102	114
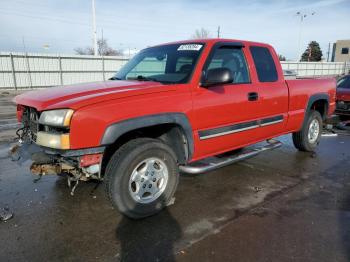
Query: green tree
313	53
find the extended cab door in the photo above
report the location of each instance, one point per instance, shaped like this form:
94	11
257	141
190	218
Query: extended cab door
226	114
272	91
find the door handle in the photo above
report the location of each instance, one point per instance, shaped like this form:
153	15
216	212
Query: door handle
253	96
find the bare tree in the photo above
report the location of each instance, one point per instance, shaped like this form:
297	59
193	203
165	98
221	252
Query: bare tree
201	33
102	49
282	58
83	51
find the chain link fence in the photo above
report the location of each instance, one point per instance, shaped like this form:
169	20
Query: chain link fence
29	70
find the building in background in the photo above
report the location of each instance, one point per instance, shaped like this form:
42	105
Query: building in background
341	51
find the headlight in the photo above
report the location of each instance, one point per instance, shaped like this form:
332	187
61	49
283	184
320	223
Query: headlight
53	140
60	117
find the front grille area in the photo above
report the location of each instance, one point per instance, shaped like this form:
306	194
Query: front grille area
31	120
343	106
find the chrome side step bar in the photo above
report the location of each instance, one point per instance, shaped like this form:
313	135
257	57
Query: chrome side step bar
212	163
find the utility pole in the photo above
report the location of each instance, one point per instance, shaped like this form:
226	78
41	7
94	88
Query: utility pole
94	33
329	50
302	17
218	31
24	45
102	46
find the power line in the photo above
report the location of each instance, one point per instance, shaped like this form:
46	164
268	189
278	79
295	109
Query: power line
29	3
113	26
103	14
41	38
45	18
124	21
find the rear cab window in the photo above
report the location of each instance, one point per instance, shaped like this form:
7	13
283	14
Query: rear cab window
264	64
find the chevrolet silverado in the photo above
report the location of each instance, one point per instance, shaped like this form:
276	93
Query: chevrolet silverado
172	108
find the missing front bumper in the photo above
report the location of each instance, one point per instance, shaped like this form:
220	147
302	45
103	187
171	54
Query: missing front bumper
46	161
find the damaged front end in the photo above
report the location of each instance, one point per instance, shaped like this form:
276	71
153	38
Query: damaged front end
76	165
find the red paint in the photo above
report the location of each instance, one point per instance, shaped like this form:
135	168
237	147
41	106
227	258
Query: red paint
100	104
343	94
19	112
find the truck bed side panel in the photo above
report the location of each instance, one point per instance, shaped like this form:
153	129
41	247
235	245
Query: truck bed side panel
300	91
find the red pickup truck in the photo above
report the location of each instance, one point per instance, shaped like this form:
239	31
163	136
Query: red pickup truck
171	108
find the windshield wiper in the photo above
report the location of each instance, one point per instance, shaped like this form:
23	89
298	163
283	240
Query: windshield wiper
143	78
115	78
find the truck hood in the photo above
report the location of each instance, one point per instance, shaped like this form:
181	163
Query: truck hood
343	94
79	95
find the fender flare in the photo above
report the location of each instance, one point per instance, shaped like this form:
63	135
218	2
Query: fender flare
116	130
314	98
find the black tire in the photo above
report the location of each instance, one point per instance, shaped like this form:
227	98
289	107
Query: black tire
300	138
121	166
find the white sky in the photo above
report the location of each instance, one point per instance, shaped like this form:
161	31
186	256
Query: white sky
66	24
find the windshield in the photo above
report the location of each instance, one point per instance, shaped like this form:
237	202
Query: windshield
168	64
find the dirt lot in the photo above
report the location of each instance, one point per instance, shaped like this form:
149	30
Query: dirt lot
283	205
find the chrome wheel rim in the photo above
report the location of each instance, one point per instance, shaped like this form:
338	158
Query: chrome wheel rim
314	131
148	180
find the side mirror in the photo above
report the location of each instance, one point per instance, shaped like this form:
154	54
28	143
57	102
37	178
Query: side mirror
217	76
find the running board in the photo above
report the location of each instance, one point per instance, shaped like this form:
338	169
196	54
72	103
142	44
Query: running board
212	163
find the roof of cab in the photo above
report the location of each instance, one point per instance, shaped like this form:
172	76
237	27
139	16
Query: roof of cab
215	40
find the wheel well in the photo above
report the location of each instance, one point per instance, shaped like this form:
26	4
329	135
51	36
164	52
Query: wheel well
171	134
321	106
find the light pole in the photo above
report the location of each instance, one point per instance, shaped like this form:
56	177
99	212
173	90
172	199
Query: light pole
302	17
94	33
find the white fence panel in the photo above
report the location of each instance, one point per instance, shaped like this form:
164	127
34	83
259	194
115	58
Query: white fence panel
31	70
314	69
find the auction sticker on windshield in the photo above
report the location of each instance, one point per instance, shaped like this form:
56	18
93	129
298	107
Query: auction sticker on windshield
189	47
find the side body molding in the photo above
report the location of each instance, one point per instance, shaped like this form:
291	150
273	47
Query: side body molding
114	131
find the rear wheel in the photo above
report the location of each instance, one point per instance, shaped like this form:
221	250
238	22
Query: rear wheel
141	177
308	138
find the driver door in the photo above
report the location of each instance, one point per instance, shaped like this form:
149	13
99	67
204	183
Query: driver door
226	113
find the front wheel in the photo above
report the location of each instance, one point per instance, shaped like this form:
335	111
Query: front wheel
308	138
141	177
